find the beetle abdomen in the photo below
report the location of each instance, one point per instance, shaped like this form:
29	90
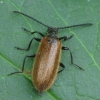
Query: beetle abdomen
46	64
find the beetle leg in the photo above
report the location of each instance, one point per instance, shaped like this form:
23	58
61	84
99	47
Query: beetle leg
63	66
33	32
66	48
65	38
37	39
22	65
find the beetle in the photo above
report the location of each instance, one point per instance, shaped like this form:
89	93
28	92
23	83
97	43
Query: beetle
47	58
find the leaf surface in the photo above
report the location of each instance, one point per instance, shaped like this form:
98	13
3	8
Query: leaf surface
72	83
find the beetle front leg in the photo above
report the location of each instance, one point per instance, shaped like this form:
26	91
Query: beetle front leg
65	38
33	32
66	48
22	65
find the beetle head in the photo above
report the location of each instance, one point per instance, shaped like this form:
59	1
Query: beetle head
52	32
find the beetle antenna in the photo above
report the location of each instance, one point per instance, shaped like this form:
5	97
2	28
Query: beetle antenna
86	24
32	18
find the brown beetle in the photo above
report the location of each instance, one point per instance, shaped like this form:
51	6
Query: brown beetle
47	58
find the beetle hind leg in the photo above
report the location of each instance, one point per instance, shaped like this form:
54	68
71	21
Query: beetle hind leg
22	65
63	66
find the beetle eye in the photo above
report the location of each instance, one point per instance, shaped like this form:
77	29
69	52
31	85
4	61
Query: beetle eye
49	40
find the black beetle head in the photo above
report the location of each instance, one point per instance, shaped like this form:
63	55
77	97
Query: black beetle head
52	32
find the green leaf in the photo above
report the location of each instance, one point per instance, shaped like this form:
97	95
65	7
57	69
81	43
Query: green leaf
72	83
